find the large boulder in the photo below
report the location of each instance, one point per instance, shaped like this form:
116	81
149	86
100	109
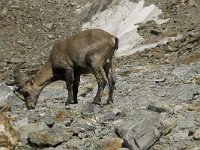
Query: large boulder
49	137
141	130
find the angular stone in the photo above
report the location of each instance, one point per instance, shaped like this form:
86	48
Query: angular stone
49	137
141	131
160	107
75	144
33	127
5	92
20	123
186	123
5	88
15	61
168	125
182	72
86	89
184	92
4	12
51	36
49	120
180	136
91	109
196	135
109	117
49	25
57	117
68	121
15	103
9	137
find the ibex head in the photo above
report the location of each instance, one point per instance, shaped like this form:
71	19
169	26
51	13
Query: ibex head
27	89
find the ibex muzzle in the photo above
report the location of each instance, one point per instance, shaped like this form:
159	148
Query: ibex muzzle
87	50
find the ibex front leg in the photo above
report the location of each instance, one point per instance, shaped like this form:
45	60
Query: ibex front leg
76	85
101	79
69	79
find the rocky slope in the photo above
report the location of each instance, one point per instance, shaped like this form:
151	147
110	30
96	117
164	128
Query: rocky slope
157	96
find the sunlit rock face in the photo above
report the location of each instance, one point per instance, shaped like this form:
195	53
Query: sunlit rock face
8	135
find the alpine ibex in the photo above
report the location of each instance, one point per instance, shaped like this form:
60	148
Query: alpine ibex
89	50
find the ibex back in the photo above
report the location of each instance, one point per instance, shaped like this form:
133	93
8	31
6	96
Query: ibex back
87	50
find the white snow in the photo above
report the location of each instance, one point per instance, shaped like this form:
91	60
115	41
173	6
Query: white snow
121	20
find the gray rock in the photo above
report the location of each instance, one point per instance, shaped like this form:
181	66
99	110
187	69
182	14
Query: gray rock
86	89
180	136
49	120
196	148
3	103
4	12
109	117
59	147
177	109
56	117
182	72
196	135
21	123
32	127
49	137
160	107
161	93
141	131
117	111
75	144
5	92
8	98
53	92
91	109
184	92
82	135
15	103
68	121
24	147
168	125
186	124
5	88
22	43
77	130
51	36
49	25
15	60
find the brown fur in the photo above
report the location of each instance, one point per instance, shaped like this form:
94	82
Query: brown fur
89	50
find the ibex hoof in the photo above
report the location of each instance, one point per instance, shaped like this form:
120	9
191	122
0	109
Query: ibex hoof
74	102
109	102
70	102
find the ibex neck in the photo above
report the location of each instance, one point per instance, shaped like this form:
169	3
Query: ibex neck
44	75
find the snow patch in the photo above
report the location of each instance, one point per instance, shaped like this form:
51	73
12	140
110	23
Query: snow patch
122	21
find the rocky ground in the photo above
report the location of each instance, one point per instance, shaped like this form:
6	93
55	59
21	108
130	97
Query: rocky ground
157	96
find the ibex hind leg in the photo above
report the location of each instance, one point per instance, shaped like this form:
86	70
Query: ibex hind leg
111	81
101	80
